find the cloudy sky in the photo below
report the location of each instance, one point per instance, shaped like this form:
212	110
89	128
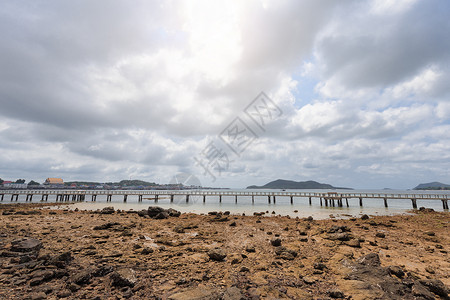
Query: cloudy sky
108	90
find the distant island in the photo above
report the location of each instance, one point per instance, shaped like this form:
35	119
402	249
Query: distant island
297	185
433	186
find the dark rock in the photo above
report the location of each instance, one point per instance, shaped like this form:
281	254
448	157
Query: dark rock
276	242
161	215
226	213
421	292
430	233
380	235
61	260
319	266
244	269
287	256
436	286
364	217
250	249
102	271
153	211
217	254
310	218
354	243
107	210
233	224
106	226
174	213
82	277
340	236
371	259
397	271
309	280
73	287
335	229
123	277
142	213
212	213
178	229
337	294
26	245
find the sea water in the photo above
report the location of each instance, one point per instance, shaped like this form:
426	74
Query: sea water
300	208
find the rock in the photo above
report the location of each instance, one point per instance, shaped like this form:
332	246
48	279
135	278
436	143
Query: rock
38	296
161	215
178	229
420	291
142	213
380	235
198	293
174	213
364	217
153	211
340	236
82	277
371	259
123	277
61	260
250	249
430	233
336	294
436	286
26	245
107	210
226	213
276	242
217	254
309	219
233	224
338	229
102	271
354	243
232	293
319	266
397	271
309	279
64	293
287	256
106	226
244	269
212	213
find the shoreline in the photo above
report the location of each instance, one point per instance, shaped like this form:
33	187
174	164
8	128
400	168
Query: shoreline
88	254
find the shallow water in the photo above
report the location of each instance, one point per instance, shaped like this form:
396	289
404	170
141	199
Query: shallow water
244	205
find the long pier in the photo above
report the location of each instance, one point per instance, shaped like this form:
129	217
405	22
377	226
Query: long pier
326	198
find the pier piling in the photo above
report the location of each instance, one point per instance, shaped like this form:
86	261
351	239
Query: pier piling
171	198
125	198
414	203
445	204
360	201
385	202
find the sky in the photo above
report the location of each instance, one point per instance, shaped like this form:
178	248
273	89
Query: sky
236	93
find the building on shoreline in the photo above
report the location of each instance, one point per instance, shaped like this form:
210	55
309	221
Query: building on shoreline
54	181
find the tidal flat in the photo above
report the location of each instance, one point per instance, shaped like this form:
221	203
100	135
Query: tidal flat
50	253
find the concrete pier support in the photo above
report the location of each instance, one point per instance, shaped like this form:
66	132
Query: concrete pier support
274	199
346	201
187	198
125	197
414	203
268	199
29	197
171	198
326	201
94	198
220	198
385	202
445	204
292	200
320	201
156	198
139	198
204	198
360	202
235	199
108	198
310	201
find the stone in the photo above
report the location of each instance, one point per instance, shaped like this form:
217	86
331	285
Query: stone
250	249
380	235
82	277
64	293
397	271
287	256
364	217
232	293
233	224
217	254
319	266
106	226
107	210
26	245
436	286
174	213
197	293
161	215
178	229
153	211
355	243
420	291
123	277
61	260
371	259
309	280
38	296
276	242
337	294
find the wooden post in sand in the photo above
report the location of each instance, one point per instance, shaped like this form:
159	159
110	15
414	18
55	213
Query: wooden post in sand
235	199
274	199
125	198
108	198
414	203
346	201
310	201
292	200
385	202
268	199
204	198
320	201
220	198
360	201
187	198
253	199
171	198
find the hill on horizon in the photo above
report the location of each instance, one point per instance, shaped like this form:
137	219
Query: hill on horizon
297	185
433	186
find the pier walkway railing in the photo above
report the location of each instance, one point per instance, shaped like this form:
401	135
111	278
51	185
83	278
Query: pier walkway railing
325	198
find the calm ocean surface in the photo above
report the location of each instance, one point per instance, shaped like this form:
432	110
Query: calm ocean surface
282	206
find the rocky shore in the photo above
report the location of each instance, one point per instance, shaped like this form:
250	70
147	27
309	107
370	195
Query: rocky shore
49	253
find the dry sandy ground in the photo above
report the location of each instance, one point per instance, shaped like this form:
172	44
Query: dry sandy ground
50	254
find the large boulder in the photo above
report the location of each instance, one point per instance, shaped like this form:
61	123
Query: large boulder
124	277
26	245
